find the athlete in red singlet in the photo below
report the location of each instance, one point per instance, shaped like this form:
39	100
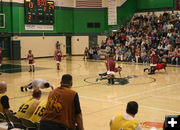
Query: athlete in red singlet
30	58
57	57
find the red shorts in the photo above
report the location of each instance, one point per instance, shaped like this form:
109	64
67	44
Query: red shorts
160	66
31	62
116	69
58	58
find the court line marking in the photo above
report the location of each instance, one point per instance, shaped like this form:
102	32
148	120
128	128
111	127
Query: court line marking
148	91
163	97
118	103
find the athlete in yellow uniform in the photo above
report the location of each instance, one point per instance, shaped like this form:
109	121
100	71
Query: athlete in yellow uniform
4	100
29	106
126	121
36	117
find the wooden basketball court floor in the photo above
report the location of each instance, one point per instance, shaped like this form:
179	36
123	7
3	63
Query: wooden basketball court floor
157	95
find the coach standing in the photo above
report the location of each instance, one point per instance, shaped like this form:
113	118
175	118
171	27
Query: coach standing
63	109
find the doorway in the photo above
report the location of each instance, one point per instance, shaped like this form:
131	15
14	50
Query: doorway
68	45
5	46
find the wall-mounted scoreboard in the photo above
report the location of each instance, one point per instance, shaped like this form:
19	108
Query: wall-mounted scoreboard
39	12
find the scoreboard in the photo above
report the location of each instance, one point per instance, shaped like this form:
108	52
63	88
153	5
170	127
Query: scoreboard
39	12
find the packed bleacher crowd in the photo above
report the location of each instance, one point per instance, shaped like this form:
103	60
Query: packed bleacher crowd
145	32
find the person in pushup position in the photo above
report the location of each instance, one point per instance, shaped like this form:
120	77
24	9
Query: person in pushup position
37	84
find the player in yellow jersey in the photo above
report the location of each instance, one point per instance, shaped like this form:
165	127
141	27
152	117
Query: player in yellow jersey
36	117
4	100
29	106
126	121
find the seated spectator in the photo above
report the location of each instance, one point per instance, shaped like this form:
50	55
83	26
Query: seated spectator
126	121
170	55
103	45
175	57
178	41
138	53
144	58
29	106
108	50
63	111
91	53
117	53
4	104
128	56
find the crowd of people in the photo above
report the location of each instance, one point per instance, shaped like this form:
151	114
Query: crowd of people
134	41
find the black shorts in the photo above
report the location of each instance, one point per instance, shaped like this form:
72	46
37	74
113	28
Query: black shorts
30	86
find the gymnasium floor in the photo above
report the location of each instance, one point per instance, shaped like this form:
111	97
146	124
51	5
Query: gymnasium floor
157	95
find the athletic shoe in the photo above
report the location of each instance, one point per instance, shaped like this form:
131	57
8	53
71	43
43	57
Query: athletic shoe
145	69
22	89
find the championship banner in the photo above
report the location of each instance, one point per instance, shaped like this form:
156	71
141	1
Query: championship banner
112	12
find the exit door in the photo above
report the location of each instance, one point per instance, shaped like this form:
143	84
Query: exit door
5	46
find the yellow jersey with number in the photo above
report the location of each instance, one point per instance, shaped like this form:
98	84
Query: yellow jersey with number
1	107
38	113
26	109
119	123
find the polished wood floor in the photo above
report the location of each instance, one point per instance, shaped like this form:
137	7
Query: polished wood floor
157	95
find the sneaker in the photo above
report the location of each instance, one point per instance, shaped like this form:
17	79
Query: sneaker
26	89
145	69
22	89
30	70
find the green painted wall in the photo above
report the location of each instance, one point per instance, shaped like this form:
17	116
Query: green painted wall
67	20
84	16
7	11
126	11
152	4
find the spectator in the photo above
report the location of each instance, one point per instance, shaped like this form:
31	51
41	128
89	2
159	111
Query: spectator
126	121
90	53
103	45
128	55
63	109
175	57
29	106
4	104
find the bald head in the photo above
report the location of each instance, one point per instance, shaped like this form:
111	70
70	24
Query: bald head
3	87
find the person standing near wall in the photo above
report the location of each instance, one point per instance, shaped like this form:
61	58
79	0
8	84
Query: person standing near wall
30	58
57	57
